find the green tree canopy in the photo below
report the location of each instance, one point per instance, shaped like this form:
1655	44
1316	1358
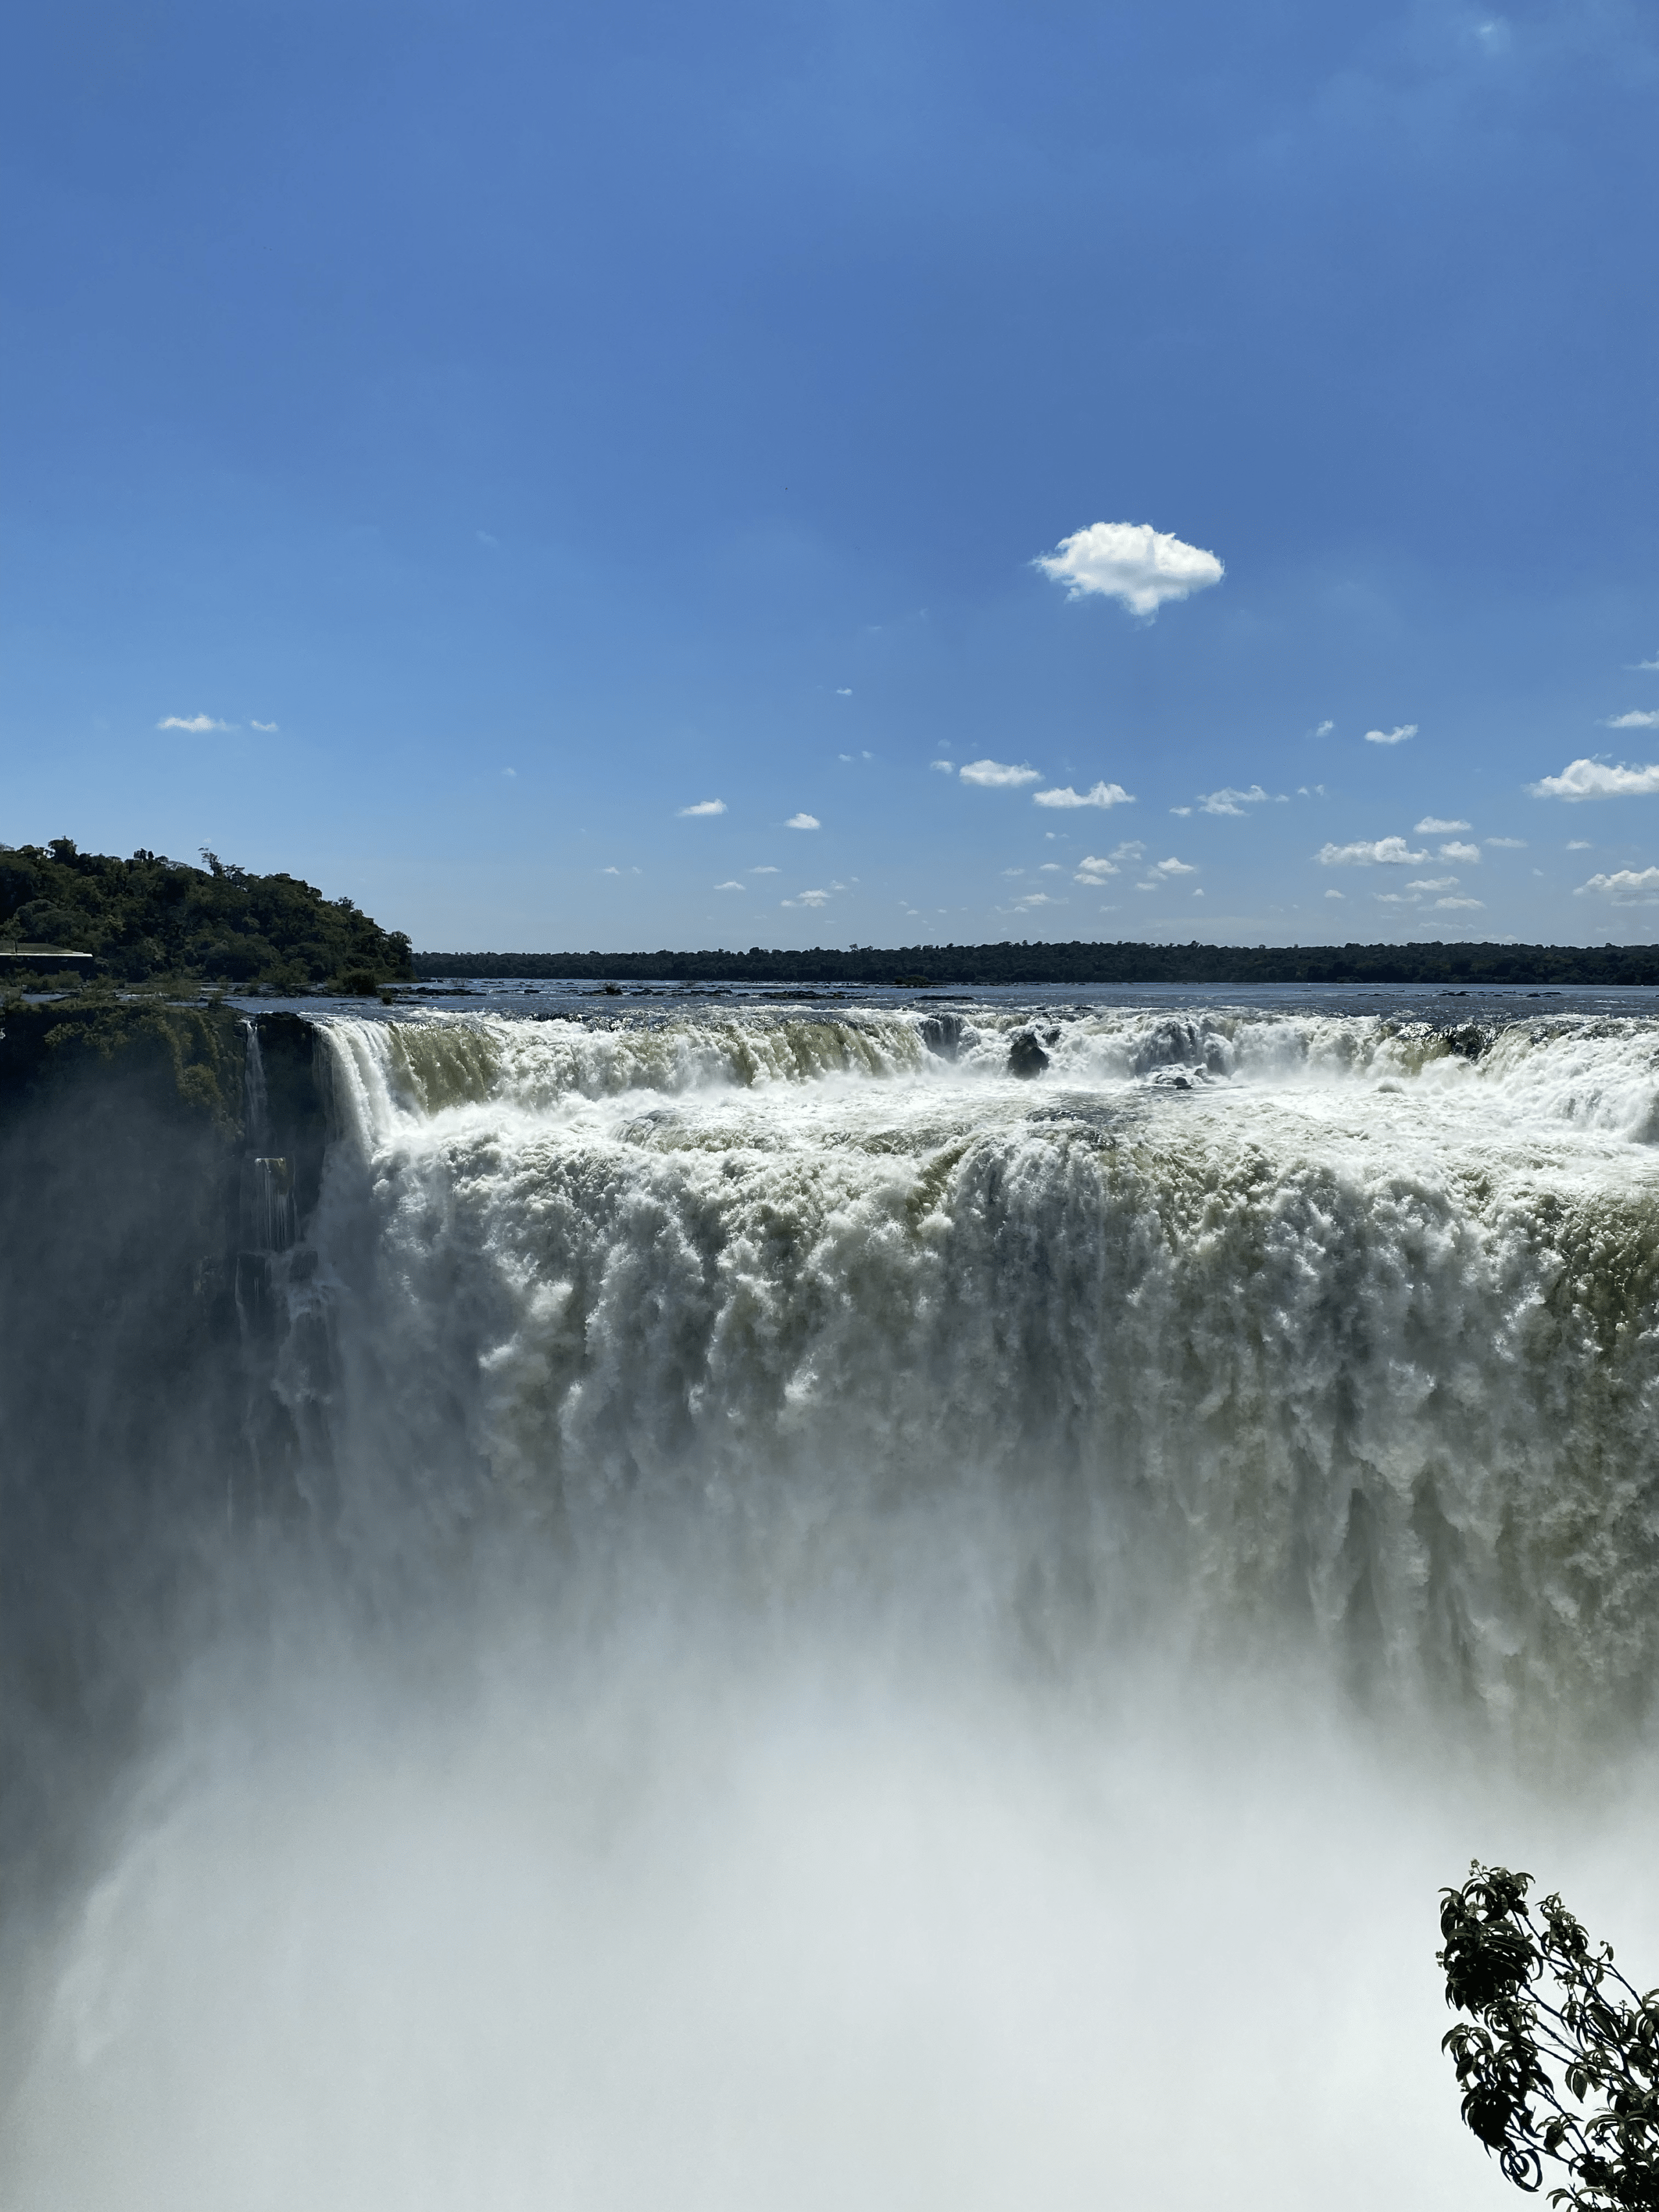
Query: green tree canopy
149	917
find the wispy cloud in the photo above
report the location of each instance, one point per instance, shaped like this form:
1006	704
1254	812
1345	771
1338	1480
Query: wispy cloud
198	725
998	775
1508	844
1432	825
1229	801
1625	887
1397	735
1593	779
1636	719
1324	731
807	898
1132	562
1035	898
1445	905
1456	851
945	767
843	691
704	806
269	728
1369	852
1649	666
803	821
764	872
1335	893
1578	844
484	538
1430	883
733	886
1099	794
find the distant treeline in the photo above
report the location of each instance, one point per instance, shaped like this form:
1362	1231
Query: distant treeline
1078	963
149	919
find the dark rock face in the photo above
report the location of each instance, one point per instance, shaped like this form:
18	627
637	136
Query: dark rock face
1025	1056
138	1333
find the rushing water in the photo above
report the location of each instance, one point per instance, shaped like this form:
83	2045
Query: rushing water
893	1606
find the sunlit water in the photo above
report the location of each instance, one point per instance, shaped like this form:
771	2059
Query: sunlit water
862	1629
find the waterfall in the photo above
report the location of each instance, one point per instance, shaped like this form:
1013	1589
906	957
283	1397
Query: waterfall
893	1607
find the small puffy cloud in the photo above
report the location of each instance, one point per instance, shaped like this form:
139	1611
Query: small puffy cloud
803	821
198	725
999	776
1508	844
1324	731
1132	562
1430	883
1228	801
1591	779
1100	794
1432	825
1035	898
843	691
1650	665
1397	735
733	886
1013	871
269	728
762	872
611	871
945	767
705	806
1336	894
1051	868
1182	810
1625	887
1455	851
1172	867
1092	869
1635	721
1578	844
807	898
1445	905
1369	853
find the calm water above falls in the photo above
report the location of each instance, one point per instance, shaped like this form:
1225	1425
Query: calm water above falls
854	1615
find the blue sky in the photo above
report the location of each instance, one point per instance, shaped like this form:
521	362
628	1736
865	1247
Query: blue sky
545	421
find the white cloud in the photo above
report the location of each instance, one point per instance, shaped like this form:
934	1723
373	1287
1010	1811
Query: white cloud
1432	826
945	768
1336	894
731	886
1130	561
843	691
1397	735
1035	898
1051	868
1228	801
998	775
803	821
1013	871
1375	852
1092	869
510	772
269	728
1578	844
807	898
198	725
1509	844
1650	665
1455	851
1634	720
1430	883
1625	887
762	872
611	871
706	806
1324	731
1172	867
1182	810
1590	779
1100	794
1442	905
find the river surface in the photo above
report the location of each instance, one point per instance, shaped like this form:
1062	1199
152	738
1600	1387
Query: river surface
895	1599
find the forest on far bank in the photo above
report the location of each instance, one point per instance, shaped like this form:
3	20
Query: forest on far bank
1079	962
149	920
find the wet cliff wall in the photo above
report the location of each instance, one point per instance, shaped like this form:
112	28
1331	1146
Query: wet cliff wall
134	1347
